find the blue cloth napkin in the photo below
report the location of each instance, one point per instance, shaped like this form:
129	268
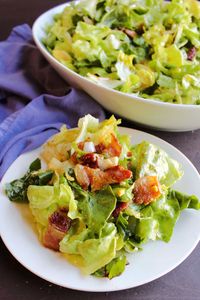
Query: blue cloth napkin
34	100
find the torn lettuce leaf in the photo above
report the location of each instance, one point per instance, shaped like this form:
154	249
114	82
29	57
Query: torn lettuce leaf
97	208
148	159
159	218
17	189
93	253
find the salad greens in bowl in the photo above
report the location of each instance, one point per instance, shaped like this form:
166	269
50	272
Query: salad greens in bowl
139	59
149	48
99	197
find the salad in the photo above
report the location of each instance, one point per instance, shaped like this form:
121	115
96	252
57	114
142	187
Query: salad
100	197
150	48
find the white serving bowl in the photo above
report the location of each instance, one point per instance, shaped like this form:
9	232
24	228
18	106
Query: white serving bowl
151	113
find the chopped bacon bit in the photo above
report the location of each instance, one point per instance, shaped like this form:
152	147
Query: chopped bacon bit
59	224
100	148
191	53
119	207
97	179
146	190
129	153
118	174
90	160
74	158
130	33
81	145
60	220
113	149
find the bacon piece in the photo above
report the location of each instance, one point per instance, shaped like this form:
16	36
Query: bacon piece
97	178
118	174
90	160
81	145
130	33
59	224
146	190
113	149
129	154
112	175
82	176
119	207
191	53
100	148
74	158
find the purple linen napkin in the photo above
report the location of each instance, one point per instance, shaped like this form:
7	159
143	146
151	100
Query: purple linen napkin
34	100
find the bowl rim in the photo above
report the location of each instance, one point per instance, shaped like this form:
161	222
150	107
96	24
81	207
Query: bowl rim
41	46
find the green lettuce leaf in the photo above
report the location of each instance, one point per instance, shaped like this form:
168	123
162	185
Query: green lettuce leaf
159	218
148	159
92	253
17	189
44	200
115	268
97	208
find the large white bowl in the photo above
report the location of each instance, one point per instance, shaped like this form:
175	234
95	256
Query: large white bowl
151	113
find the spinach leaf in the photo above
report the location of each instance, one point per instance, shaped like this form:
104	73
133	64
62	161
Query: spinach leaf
17	189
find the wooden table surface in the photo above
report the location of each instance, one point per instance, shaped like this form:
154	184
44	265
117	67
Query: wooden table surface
17	283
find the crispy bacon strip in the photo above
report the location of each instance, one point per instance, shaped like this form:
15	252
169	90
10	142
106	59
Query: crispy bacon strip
97	178
59	224
146	190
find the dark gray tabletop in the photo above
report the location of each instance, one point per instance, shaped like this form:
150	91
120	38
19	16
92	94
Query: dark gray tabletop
18	283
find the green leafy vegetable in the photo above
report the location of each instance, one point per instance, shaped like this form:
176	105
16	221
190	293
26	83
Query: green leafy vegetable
115	268
148	159
159	218
91	253
140	47
97	208
95	228
17	189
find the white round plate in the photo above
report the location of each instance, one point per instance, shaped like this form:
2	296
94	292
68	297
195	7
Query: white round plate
156	259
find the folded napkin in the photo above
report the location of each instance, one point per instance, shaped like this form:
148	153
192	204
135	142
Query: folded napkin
34	100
